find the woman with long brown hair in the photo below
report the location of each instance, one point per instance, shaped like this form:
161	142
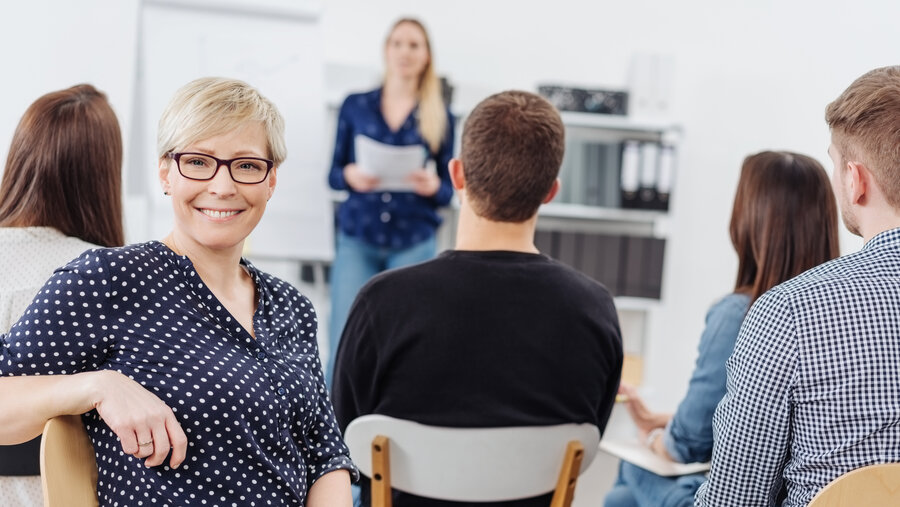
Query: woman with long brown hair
383	224
784	222
60	196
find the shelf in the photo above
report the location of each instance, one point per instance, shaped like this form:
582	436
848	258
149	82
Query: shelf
635	304
615	122
565	210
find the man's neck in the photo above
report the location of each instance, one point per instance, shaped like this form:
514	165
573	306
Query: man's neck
478	233
873	222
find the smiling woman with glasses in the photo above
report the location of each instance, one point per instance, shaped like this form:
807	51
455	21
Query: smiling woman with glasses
198	376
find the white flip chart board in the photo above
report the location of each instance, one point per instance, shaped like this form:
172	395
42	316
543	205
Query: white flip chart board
274	46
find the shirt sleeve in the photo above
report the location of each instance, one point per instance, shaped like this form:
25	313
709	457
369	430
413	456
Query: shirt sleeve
689	435
327	451
442	159
751	426
343	148
66	328
355	375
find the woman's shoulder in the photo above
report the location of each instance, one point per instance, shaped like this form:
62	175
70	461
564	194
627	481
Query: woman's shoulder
734	304
362	100
133	256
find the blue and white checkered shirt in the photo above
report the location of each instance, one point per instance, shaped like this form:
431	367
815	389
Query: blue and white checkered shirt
814	383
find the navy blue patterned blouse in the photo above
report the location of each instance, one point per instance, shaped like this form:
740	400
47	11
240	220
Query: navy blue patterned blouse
259	423
387	219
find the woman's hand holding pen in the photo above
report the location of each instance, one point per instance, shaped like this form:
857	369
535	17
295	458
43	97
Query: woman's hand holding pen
145	425
425	182
650	424
358	180
645	419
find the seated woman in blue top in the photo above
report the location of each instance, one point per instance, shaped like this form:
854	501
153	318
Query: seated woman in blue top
784	221
197	375
380	227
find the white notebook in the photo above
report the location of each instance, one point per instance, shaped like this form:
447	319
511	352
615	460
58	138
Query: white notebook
638	454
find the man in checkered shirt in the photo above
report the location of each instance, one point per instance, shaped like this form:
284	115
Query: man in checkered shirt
814	382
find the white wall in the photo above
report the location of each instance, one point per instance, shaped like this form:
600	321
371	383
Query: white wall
50	45
749	76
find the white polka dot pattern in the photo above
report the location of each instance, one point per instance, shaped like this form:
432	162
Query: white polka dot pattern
259	423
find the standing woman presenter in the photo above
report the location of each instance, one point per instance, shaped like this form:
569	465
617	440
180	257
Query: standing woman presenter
379	228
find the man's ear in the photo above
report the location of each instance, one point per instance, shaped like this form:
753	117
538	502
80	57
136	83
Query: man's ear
553	191
859	179
457	175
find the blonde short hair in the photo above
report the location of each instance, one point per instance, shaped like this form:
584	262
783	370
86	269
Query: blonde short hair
212	106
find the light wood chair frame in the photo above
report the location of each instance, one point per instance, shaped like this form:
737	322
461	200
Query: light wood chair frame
869	485
68	464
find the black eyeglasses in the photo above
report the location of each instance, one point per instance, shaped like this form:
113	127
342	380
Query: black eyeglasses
203	167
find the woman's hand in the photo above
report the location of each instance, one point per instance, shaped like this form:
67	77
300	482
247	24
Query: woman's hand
645	419
145	425
425	182
358	180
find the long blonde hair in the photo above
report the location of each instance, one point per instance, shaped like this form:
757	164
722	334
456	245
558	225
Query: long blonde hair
432	115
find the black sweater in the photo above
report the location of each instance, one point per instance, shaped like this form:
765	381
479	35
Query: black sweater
480	339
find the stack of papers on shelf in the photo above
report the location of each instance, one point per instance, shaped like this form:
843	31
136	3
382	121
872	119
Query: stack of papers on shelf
390	164
638	454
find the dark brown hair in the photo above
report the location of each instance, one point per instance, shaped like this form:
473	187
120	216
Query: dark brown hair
512	148
865	127
64	168
784	220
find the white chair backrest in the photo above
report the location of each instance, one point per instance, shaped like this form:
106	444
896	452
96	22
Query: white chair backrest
470	464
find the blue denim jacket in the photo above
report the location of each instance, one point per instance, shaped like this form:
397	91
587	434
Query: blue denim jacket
689	437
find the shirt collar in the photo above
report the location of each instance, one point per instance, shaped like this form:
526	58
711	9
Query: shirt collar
883	238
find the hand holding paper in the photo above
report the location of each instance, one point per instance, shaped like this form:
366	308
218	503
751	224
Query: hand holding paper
358	180
395	167
425	183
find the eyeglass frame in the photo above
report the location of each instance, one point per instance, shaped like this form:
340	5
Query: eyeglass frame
219	163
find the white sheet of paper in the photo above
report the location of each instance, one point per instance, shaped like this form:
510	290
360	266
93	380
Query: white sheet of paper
391	164
638	454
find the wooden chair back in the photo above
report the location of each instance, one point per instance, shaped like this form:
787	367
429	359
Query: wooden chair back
870	485
68	464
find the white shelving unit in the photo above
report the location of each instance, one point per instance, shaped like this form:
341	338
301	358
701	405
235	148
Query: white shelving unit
618	123
592	205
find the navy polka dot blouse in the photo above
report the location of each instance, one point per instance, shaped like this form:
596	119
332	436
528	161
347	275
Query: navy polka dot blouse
259	423
386	219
